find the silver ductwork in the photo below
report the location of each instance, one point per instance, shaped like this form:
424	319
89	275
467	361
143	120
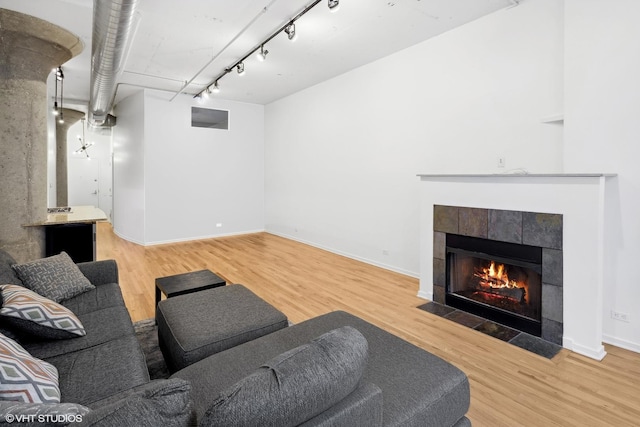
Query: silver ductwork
114	23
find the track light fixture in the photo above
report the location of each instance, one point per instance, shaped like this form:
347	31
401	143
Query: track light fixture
59	78
262	55
289	29
57	111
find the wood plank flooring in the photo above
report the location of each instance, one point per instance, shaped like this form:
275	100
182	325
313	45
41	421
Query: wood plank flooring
509	386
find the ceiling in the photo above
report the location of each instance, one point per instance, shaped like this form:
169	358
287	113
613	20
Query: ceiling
195	40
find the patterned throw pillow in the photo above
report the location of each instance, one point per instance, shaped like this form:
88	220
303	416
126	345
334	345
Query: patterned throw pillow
37	315
24	378
56	277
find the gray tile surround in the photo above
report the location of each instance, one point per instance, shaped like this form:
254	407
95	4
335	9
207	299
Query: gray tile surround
531	228
472	222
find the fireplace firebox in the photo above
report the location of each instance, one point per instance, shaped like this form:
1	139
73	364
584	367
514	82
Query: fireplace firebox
496	280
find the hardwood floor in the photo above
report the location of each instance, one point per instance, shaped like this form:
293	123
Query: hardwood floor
509	386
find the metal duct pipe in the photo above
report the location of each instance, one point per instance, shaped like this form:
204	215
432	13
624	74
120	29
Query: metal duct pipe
113	28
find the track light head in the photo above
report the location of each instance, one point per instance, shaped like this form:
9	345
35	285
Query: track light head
262	55
334	5
215	88
240	68
55	108
60	118
291	31
205	93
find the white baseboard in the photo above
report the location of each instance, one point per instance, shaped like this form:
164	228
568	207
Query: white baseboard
128	239
594	353
187	239
627	345
348	255
425	295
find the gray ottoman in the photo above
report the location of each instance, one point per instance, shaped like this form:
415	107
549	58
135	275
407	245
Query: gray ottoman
194	326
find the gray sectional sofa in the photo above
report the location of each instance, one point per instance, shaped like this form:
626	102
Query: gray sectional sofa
103	375
332	370
400	385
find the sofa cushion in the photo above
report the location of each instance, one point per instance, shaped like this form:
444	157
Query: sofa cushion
41	414
157	403
296	385
24	378
101	326
37	315
56	277
98	372
7	274
103	296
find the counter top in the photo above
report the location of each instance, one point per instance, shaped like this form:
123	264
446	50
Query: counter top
77	215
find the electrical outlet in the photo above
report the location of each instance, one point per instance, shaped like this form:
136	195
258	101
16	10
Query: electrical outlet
502	162
622	317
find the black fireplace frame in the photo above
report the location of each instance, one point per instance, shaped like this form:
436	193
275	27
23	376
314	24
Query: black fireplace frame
504	252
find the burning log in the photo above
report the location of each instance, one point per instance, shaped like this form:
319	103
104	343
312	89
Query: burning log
512	293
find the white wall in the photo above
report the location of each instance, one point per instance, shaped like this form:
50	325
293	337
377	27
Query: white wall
173	182
197	178
602	133
128	169
342	157
83	170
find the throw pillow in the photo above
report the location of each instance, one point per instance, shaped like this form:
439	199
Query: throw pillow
295	386
56	277
23	378
37	315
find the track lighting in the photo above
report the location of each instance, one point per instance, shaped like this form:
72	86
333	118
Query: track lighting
59	78
291	31
262	55
206	93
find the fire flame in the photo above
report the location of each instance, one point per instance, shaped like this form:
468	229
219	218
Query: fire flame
495	277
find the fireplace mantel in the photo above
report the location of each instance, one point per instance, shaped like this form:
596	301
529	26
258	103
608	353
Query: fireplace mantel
583	201
515	175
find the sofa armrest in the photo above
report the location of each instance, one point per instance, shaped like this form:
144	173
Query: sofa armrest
100	272
362	408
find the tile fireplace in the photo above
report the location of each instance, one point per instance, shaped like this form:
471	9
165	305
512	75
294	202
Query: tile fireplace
502	265
568	215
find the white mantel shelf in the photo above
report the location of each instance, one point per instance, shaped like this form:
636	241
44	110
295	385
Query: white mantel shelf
519	175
